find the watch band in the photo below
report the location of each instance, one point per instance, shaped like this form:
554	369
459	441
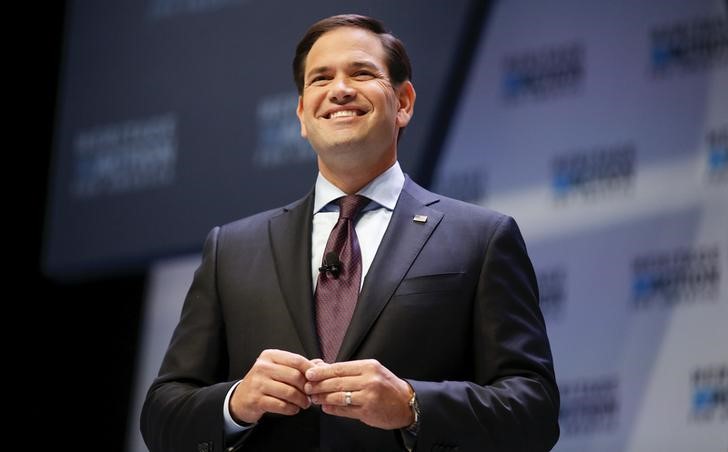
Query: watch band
415	407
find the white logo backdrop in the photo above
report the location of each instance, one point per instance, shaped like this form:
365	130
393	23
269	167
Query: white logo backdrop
602	127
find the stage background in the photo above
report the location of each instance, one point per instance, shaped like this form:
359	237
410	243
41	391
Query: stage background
176	115
602	127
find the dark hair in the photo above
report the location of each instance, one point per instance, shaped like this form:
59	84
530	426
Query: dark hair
398	63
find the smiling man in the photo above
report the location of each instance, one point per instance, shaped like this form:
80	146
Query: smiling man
369	315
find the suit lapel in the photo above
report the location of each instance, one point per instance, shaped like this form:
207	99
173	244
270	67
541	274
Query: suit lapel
290	235
399	247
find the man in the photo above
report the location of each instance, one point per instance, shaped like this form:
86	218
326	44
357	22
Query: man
407	321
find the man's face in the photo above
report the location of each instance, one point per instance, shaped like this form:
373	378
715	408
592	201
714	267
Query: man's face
349	111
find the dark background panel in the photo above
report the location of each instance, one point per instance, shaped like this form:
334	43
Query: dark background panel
207	72
74	344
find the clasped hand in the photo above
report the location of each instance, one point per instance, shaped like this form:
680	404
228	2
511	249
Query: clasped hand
285	383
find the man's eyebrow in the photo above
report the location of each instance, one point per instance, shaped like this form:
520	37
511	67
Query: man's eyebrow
364	64
317	70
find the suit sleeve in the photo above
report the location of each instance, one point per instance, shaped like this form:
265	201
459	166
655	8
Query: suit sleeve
183	410
513	403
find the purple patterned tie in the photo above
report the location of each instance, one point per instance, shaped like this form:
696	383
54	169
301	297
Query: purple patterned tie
337	289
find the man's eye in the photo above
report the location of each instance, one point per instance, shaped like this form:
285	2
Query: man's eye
363	74
318	80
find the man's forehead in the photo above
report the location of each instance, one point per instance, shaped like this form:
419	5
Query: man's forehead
353	39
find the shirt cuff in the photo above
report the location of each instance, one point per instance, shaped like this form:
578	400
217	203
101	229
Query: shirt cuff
231	427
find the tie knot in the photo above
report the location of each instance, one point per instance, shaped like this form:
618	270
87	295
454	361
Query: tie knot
350	205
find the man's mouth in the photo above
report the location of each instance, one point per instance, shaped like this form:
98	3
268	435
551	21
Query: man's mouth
343	114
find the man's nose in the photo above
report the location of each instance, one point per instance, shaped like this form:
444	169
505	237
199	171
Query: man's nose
341	91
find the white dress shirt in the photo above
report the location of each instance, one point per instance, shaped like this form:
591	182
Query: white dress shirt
384	191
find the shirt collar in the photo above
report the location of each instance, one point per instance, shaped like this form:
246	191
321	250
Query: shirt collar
384	189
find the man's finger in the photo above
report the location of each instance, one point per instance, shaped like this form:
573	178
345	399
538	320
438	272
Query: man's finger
287	393
343	369
340	398
287	359
352	412
336	384
278	406
285	374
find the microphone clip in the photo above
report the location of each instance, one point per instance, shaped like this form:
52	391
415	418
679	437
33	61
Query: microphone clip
331	264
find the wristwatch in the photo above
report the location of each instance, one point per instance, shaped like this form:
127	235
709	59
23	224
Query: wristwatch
415	407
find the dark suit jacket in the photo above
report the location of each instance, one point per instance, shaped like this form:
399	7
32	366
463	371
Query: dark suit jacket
451	305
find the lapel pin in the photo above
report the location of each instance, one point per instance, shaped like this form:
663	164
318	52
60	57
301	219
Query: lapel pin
420	219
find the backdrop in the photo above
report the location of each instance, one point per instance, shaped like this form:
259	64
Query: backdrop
603	128
176	115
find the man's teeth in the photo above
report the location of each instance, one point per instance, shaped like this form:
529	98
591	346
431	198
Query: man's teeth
342	113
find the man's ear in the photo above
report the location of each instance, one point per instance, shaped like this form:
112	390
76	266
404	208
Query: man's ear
299	113
406	96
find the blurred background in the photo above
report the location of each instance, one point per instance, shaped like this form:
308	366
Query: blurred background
602	127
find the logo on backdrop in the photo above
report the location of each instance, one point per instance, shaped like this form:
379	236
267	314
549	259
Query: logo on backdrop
674	277
717	158
125	157
589	405
278	140
709	393
543	73
689	45
467	185
593	172
552	291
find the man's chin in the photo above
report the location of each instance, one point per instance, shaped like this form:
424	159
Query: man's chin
341	145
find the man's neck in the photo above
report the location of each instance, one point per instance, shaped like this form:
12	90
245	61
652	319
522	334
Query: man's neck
351	180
